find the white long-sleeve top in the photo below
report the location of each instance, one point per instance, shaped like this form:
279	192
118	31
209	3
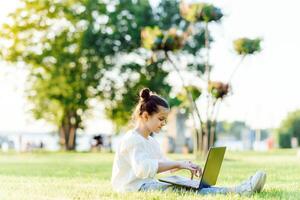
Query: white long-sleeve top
135	163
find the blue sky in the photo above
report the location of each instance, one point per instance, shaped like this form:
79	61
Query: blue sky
265	88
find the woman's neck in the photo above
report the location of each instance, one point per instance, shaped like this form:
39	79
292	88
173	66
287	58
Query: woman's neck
142	130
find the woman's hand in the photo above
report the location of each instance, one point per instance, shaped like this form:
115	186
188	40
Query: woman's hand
174	170
194	169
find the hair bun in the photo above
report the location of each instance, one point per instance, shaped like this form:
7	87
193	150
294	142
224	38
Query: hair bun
145	94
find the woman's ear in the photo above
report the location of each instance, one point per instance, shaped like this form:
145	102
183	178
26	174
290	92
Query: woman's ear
145	116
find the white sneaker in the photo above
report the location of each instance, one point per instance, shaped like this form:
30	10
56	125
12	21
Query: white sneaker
262	181
253	184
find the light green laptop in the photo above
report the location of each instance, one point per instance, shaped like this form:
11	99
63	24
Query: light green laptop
210	171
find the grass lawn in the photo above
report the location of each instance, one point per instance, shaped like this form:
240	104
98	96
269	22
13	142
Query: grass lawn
63	176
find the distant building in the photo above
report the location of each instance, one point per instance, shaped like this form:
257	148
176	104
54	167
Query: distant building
31	141
48	141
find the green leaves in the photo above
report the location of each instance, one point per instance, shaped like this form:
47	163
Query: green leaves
218	89
181	99
290	127
123	98
64	73
194	91
210	13
200	12
156	39
123	23
151	38
246	46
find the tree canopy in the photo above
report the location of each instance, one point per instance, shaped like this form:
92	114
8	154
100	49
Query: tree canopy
67	47
79	50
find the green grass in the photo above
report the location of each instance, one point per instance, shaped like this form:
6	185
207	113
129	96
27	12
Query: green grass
63	176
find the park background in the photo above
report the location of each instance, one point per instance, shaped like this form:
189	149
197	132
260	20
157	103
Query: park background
260	112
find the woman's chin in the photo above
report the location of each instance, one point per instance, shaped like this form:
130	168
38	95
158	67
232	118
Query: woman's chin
157	130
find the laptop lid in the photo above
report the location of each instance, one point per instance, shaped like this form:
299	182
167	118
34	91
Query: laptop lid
212	166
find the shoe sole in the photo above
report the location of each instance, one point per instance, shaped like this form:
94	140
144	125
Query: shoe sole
257	186
261	182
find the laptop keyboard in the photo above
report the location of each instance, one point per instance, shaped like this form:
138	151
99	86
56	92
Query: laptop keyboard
192	183
181	181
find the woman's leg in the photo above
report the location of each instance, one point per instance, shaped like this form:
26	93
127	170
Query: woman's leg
155	186
215	190
161	186
253	184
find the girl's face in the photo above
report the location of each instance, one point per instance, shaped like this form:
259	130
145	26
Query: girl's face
156	121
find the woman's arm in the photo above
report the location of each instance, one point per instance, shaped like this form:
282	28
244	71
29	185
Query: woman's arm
175	165
167	165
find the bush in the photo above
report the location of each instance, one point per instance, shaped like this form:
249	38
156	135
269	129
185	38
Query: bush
285	140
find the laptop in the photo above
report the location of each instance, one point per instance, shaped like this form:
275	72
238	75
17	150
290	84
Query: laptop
209	175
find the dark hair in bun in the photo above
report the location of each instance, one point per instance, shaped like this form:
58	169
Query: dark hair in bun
145	94
149	103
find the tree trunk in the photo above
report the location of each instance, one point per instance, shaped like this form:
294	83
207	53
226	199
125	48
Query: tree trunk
198	144
205	143
67	131
72	138
212	133
62	139
209	137
205	139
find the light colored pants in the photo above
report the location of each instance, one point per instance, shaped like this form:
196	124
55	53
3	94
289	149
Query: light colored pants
160	186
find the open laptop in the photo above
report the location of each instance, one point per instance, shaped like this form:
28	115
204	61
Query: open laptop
209	175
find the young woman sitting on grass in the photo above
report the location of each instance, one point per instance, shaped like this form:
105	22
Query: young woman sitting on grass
138	157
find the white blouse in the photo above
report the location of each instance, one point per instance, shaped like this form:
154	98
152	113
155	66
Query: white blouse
136	162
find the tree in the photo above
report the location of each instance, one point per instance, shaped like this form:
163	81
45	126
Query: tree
173	40
290	127
67	47
46	37
121	82
145	70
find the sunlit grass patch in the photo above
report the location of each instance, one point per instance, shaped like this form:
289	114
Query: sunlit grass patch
86	176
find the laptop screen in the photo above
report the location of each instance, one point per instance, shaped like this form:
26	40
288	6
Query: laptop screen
212	166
